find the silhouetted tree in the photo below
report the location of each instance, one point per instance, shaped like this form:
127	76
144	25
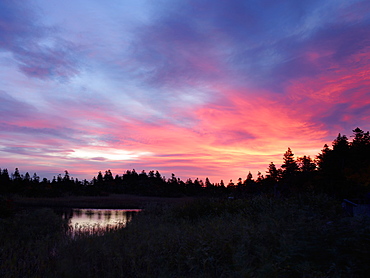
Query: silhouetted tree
27	177
16	176
260	177
361	139
35	178
273	173
5	182
66	177
100	179
358	168
240	184
108	177
306	164
344	169
249	179
289	166
208	184
231	185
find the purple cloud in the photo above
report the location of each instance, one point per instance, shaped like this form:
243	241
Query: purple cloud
38	50
195	87
12	108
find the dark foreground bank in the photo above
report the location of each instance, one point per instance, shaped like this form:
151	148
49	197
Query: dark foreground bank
111	201
304	236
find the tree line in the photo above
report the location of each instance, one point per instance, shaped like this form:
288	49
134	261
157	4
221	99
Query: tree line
342	170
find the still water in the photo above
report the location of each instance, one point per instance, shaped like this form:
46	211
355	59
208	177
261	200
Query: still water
93	221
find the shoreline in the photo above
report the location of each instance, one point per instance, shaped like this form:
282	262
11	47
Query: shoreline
118	201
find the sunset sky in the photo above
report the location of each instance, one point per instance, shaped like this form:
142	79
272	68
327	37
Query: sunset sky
199	88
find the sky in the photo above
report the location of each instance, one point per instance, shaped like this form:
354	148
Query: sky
198	88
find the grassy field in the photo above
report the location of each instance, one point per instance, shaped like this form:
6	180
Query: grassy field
304	236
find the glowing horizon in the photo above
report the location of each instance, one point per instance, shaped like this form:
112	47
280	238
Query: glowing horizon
195	88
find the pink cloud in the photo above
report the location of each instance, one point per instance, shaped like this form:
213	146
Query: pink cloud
213	95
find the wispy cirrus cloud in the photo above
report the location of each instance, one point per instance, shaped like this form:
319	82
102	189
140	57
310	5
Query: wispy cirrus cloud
199	88
38	50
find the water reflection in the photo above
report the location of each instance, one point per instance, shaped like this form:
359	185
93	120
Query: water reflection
94	221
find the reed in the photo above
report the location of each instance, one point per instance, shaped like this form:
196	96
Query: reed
304	236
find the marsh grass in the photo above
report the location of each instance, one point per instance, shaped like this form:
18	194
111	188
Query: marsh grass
91	230
29	243
304	236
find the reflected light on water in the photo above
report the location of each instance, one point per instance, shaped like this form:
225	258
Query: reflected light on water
88	220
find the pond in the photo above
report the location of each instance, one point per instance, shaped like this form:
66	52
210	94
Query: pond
96	221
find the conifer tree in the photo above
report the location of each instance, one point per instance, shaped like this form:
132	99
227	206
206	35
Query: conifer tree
208	184
289	166
306	164
273	173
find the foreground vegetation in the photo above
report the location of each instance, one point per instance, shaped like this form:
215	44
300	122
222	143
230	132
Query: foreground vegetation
302	236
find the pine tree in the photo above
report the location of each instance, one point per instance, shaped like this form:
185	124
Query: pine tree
361	138
208	184
273	173
306	164
289	166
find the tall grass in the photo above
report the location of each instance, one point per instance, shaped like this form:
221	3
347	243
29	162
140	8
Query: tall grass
304	236
29	243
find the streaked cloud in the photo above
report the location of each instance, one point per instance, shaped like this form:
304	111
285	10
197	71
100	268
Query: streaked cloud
197	88
36	48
